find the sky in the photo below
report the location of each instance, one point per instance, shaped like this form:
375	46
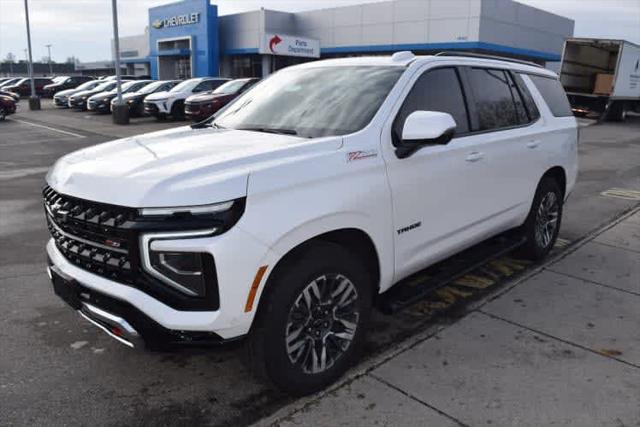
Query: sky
83	28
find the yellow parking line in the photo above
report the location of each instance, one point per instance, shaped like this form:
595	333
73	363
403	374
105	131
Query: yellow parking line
622	193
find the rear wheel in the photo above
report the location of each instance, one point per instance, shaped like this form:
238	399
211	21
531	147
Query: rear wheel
3	113
311	324
617	112
543	223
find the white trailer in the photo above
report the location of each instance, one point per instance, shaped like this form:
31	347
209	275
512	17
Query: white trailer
601	76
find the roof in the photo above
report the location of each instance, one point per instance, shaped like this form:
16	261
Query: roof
404	59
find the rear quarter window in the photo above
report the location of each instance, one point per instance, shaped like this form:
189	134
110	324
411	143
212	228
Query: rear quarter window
553	94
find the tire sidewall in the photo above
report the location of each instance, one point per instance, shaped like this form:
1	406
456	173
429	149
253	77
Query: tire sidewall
318	261
533	249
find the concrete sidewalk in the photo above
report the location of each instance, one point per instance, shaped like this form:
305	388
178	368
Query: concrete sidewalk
561	347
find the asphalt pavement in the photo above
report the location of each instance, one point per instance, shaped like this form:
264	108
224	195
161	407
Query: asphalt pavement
57	369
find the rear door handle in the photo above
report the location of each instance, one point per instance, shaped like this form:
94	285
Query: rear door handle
533	144
474	156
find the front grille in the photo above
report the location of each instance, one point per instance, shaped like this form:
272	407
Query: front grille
104	240
150	107
93	236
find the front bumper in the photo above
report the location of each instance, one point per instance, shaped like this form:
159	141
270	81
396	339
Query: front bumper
99	106
119	319
60	101
77	103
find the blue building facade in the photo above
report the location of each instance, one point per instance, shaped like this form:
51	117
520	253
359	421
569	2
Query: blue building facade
183	40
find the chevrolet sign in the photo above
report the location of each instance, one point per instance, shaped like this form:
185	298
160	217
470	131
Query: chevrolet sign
176	21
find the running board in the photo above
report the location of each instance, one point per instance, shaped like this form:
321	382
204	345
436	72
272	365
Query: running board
419	285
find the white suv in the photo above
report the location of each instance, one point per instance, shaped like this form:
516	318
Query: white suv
171	102
283	217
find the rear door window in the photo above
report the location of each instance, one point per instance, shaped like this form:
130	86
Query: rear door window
494	103
529	103
435	90
553	94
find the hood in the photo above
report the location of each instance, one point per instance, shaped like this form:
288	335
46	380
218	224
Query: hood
102	95
83	93
158	95
177	167
208	97
67	92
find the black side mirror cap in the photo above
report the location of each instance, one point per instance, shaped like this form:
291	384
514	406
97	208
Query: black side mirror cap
409	146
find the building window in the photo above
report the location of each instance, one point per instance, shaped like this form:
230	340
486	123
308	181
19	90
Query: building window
246	66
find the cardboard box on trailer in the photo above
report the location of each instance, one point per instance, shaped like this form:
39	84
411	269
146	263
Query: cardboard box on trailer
604	84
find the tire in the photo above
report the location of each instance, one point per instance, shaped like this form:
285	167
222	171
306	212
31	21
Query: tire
543	222
617	112
3	114
177	110
346	293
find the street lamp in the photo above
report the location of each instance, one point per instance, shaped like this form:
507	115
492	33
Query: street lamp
34	101
120	110
50	66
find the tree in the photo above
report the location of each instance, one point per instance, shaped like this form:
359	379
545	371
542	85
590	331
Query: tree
71	60
10	58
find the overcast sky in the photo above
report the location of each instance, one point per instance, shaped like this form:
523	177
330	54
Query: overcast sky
83	27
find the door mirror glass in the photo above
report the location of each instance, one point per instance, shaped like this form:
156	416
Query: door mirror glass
425	128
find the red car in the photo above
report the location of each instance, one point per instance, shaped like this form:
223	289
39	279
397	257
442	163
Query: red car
23	86
200	106
7	106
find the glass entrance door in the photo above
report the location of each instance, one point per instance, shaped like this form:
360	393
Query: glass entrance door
183	68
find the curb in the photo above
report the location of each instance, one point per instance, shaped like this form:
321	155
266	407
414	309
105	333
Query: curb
367	366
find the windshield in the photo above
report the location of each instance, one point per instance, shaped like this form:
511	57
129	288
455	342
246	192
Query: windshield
105	87
150	87
313	102
88	85
185	85
230	87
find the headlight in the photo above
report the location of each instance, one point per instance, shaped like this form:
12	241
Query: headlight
193	210
131	101
187	271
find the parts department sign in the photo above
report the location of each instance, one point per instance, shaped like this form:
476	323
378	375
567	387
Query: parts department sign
286	45
176	21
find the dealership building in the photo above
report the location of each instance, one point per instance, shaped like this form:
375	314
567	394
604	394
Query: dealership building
188	38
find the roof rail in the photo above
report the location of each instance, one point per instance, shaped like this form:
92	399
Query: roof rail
485	56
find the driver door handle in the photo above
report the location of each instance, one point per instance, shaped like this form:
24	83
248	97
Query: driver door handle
533	144
474	156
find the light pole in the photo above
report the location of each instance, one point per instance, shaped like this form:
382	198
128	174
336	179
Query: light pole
50	67
120	111
34	101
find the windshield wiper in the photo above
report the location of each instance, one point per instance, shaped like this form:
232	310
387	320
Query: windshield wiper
206	124
280	131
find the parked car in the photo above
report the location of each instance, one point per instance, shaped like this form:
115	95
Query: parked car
102	102
134	100
316	194
10	81
200	106
23	86
126	77
64	83
61	99
7	106
171	103
79	100
13	95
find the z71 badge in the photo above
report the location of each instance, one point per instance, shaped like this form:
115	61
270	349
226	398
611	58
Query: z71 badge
361	155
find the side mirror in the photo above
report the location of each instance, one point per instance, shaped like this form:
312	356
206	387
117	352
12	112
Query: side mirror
425	128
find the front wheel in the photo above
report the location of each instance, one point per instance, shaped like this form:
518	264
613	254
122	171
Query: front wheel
543	223
311	325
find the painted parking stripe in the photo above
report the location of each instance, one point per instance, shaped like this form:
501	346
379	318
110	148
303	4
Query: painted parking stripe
622	193
77	135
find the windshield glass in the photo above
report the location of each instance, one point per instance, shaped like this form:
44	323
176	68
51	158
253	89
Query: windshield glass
185	85
230	87
105	87
313	102
88	85
150	87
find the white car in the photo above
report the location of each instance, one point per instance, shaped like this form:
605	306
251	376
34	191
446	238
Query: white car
171	102
320	188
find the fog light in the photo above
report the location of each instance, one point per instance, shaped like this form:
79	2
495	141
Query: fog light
183	269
